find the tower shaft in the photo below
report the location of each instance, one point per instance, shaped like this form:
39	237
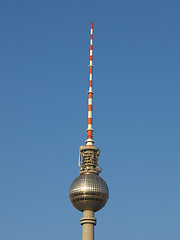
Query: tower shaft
88	221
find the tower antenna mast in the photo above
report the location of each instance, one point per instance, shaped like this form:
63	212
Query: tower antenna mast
89	141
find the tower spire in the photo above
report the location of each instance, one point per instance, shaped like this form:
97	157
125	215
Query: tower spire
89	141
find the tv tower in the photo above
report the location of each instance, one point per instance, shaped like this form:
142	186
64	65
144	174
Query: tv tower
89	192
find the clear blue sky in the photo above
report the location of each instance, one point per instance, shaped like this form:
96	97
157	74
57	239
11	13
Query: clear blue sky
44	57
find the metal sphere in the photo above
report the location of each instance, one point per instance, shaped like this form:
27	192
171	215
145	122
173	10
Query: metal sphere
89	192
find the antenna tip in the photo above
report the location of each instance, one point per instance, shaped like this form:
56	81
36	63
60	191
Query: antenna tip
91	25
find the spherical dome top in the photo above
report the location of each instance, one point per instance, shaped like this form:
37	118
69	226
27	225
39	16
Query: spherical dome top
89	192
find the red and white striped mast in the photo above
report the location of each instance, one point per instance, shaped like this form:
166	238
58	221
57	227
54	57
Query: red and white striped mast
89	141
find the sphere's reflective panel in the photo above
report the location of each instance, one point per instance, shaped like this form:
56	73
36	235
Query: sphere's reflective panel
89	192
